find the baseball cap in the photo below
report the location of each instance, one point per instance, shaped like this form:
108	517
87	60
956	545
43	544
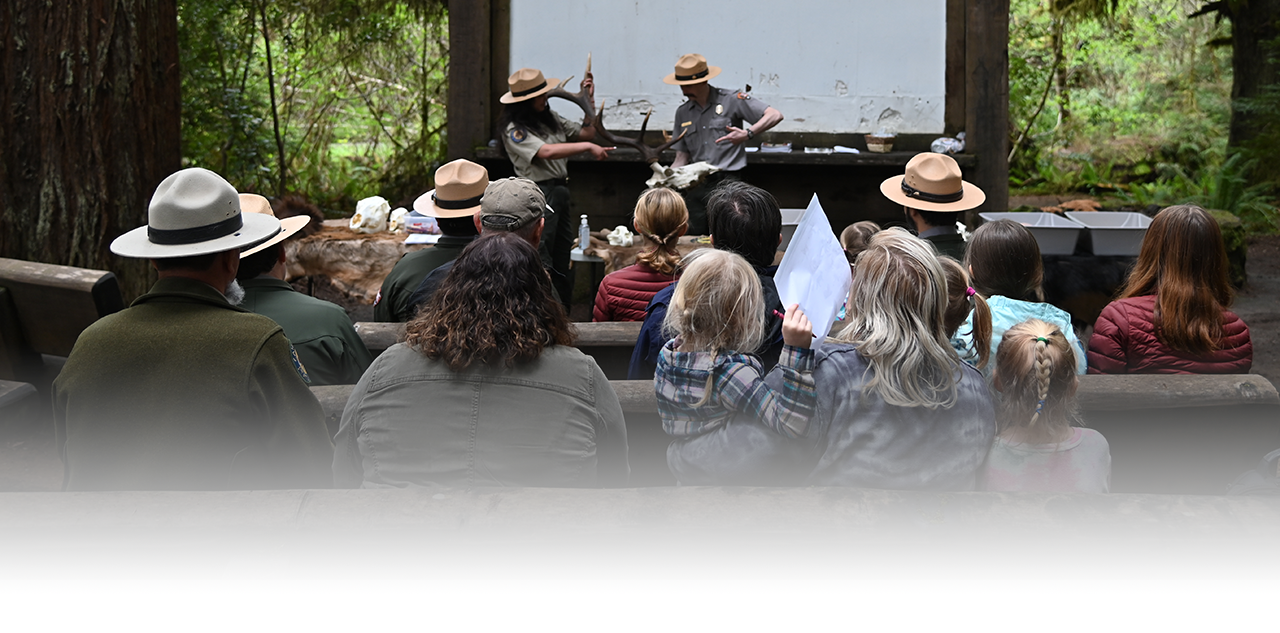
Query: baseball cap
510	204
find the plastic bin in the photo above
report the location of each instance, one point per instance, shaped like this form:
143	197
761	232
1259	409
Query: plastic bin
1114	232
790	220
1055	235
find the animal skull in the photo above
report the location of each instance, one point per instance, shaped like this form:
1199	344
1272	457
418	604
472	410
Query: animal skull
371	215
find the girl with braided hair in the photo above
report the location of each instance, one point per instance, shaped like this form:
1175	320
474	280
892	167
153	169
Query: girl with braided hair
963	300
1037	449
661	218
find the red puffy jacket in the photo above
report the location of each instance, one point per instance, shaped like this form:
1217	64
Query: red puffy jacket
1124	342
624	294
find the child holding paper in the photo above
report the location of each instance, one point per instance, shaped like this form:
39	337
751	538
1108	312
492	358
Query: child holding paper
706	375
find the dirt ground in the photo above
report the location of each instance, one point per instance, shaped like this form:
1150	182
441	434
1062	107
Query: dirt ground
28	461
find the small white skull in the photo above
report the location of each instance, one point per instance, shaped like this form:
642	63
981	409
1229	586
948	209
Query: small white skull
371	215
396	223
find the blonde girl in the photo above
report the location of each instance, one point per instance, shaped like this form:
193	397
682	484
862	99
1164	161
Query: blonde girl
706	373
661	218
1037	449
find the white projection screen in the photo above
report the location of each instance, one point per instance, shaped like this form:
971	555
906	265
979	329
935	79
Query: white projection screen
836	66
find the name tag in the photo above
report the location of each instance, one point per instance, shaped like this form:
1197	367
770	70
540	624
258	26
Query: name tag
686	124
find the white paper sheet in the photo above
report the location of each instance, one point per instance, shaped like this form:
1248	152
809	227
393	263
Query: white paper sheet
422	238
814	272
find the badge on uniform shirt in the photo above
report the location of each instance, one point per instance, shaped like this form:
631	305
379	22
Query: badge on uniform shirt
297	364
517	135
719	109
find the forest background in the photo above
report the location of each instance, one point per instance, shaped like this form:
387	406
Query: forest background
1129	101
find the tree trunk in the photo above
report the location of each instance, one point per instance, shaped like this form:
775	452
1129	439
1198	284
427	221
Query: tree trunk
1254	26
91	104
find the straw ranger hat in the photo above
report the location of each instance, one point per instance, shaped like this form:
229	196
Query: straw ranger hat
195	212
691	69
932	182
459	187
526	84
254	203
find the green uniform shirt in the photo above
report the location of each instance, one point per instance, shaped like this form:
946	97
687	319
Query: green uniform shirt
183	391
950	244
392	304
522	146
702	126
321	332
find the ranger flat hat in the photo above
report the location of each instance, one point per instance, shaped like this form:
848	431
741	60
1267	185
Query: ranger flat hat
511	204
525	84
195	212
459	188
932	182
254	203
691	69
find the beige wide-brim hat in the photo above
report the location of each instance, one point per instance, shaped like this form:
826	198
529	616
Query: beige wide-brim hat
195	212
459	187
254	203
525	84
932	182
691	69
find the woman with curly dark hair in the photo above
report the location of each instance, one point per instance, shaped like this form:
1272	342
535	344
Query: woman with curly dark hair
487	389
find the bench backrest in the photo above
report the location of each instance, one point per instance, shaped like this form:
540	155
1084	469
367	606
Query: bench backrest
46	306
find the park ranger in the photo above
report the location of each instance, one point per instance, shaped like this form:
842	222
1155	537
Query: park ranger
321	332
712	124
184	390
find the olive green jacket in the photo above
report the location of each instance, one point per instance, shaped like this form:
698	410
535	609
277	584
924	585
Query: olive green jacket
183	391
950	244
393	304
321	332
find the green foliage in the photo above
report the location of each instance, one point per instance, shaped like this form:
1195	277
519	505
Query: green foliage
359	91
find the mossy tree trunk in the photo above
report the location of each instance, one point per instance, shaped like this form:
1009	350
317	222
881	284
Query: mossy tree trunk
91	103
1255	29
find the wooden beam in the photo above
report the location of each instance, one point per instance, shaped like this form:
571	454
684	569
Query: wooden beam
954	115
499	55
379	336
469	76
987	99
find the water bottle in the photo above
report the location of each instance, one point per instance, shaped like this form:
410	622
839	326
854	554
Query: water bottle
584	234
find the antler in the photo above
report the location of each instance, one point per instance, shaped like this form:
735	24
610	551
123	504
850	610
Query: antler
581	97
650	154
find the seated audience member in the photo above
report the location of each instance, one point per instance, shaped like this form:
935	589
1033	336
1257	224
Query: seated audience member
962	301
1005	267
703	379
487	389
510	205
854	238
745	220
933	195
321	332
184	390
453	203
1172	315
1037	449
896	408
660	218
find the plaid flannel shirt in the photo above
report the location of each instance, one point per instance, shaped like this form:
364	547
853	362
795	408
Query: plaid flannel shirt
681	381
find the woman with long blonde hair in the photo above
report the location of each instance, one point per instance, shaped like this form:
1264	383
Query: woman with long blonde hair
661	218
1172	316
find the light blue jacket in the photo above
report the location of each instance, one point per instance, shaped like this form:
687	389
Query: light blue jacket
1006	313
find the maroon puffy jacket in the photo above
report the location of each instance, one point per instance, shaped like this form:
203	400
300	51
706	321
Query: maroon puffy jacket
624	294
1124	342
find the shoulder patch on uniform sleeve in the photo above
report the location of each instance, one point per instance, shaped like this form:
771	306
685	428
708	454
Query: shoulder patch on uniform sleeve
297	364
517	135
743	95
378	299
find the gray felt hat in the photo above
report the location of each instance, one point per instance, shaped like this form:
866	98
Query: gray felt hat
195	212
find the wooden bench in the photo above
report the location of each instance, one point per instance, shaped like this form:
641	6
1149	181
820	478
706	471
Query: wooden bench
609	343
1168	434
43	309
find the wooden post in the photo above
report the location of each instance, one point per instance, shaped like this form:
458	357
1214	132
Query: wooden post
954	119
987	99
469	76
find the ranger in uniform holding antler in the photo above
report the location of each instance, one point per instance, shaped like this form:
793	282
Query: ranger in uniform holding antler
539	143
711	121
